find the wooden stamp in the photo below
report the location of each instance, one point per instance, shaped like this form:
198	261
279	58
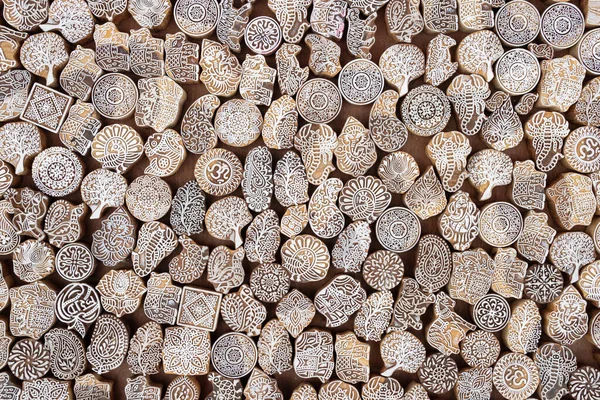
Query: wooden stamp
438	374
40	97
242	312
325	218
355	151
361	33
88	387
403	20
263	238
232	23
274	348
480	349
225	270
165	151
193	358
586	137
80	73
313	357
190	263
526	103
572	250
572	201
468	93
155	242
474	382
304	391
80	127
146	54
183	387
290	75
101	189
112	10
14	90
496	100
234	355
459	223
67	354
294	220
72	18
555	364
324	59
491	313
148	198
450	164
197	131
398	229
351	247
374	316
78	306
292	18
280	123
32	310
471	275
488	169
152	14
45	55
162	299
30	208
585	52
401	64
112	48
517	72
513	33
379	386
340	299
561	83
426	196
222	386
475	15
506	370
117	147
336	388
115	96
29	359
360	82
327	18
543	283
588	283
258	80
199	308
594	329
546	131
306	258
226	218
218	172
261	386
25	16
221	70
295	311
290	180
565	319
238	123
8	231
11	45
114	241
5	344
121	292
364	198
319	101
583	383
263	35
57	171
542	51
316	143
352	358
386	129
440	17
439	66
534	242
426	110
141	387
433	265
64	222
20	142
181	58
60	390
159	104
562	25
416	391
410	305
500	224
503	129
196	18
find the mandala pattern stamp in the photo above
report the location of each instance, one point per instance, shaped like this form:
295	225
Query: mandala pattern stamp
500	224
480	349
319	101
425	110
516	376
269	282
438	374
263	35
398	229
115	96
360	82
238	123
234	355
148	198
29	359
186	351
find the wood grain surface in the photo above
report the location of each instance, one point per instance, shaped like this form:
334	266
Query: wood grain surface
415	145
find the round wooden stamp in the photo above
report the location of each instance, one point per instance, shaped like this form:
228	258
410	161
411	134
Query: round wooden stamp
500	224
491	313
115	96
588	53
438	374
238	123
57	171
218	172
398	229
425	110
383	270
148	198
269	282
517	23
234	355
517	72
562	25
75	262
543	283
29	359
589	283
516	376
263	35
480	349
584	383
360	82
319	101
196	18
582	149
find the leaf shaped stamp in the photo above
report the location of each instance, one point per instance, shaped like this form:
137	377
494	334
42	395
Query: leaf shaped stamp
274	348
121	292
503	129
67	354
263	237
426	196
280	123
351	247
374	316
